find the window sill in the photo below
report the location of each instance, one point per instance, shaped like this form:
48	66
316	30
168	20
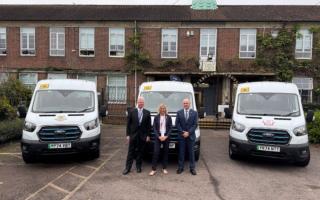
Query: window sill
116	56
28	55
57	55
84	56
117	102
3	54
303	58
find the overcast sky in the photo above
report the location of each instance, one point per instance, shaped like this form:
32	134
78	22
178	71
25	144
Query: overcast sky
163	2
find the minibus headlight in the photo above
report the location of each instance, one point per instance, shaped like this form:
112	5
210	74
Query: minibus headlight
300	130
237	126
91	124
28	126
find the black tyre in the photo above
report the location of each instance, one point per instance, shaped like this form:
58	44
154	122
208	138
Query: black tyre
305	162
232	154
27	158
95	154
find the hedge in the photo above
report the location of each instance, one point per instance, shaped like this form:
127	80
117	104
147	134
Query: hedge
10	130
314	128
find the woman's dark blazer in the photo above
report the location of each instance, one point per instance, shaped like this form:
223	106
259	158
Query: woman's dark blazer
156	125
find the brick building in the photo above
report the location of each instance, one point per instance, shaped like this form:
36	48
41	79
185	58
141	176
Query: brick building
199	46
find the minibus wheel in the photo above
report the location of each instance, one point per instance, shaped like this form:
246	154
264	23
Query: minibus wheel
28	158
232	154
305	162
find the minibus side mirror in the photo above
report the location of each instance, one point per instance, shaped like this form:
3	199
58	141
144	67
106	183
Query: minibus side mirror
22	111
227	113
309	117
103	111
201	113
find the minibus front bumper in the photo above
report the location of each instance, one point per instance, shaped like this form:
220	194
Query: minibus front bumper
84	145
292	152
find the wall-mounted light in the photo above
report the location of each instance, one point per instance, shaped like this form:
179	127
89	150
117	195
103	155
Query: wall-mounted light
274	33
190	33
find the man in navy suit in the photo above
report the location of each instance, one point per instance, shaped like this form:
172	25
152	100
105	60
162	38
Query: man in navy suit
186	123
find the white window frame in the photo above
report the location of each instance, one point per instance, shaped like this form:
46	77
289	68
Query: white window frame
247	33
57	32
207	32
123	101
170	33
117	32
29	31
30	84
88	32
3	33
304	33
304	84
57	76
84	77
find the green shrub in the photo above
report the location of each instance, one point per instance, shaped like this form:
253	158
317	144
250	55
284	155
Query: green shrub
10	129
15	92
314	129
6	110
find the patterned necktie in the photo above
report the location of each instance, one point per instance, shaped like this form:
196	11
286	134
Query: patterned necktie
186	115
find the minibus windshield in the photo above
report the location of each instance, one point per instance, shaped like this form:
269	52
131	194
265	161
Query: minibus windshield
173	100
63	101
268	104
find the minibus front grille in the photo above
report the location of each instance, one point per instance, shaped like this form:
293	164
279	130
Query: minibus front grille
173	135
267	136
59	133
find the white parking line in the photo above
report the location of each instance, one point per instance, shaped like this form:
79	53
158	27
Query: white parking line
51	182
59	188
77	175
87	178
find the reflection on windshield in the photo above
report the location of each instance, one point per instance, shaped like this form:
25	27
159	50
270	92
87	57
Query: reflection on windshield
59	101
173	100
268	104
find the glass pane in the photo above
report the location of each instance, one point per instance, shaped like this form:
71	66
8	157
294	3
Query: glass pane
299	44
31	41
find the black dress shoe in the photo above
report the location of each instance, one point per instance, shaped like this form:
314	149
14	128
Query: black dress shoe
139	170
193	172
126	171
179	171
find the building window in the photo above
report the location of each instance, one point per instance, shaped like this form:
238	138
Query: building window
305	86
87	77
208	43
3	41
86	36
117	88
169	47
3	77
116	42
29	79
28	47
247	43
303	45
57	76
57	41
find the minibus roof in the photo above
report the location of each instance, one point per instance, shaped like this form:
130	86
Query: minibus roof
66	84
174	86
267	87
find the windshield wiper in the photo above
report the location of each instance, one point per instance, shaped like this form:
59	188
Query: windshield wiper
86	109
289	114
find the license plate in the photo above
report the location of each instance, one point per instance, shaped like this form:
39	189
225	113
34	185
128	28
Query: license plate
172	145
59	146
268	148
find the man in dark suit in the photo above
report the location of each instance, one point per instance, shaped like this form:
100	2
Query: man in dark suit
138	133
186	123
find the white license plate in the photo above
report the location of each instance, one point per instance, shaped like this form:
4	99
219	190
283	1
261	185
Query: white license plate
268	148
59	146
172	145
